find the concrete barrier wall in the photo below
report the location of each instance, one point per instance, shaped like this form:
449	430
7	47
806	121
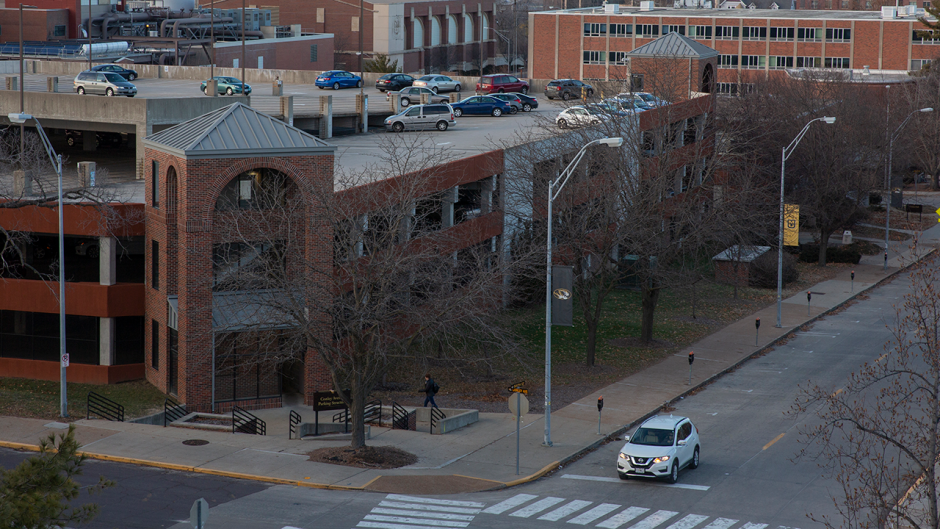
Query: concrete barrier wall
455	418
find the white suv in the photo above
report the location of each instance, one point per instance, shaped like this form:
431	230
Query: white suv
659	448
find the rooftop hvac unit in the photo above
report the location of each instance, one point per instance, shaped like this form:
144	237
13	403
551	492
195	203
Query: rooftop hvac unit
612	8
647	5
889	12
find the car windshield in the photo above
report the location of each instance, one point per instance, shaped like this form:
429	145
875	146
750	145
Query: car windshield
387	76
426	78
652	437
648	97
114	78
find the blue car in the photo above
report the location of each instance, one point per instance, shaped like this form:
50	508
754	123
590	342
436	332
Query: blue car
337	79
481	105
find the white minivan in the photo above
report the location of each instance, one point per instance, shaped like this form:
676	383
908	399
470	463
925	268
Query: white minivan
438	116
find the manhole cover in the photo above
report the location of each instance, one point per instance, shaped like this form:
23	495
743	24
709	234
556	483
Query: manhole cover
195	442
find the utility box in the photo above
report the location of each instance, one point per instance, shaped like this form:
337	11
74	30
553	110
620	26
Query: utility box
86	174
277	88
212	88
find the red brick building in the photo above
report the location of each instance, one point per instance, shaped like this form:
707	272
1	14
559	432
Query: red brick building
593	43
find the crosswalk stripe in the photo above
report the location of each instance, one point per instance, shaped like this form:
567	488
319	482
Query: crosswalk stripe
565	510
418	499
688	522
618	480
434	508
595	513
382	525
721	523
440	516
654	519
515	501
625	516
750	525
537	507
421	521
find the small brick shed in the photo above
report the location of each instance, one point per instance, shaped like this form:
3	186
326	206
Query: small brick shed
739	257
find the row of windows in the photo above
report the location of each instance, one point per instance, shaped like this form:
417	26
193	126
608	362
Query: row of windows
759	62
724	32
600	57
920	38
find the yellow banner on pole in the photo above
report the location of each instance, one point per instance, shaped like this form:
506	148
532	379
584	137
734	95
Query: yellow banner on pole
791	225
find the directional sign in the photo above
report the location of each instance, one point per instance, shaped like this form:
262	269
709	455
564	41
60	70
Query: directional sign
517	388
938	215
199	513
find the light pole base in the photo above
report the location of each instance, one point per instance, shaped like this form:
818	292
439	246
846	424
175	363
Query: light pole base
547	444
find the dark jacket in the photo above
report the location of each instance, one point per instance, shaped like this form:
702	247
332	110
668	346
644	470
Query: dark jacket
429	387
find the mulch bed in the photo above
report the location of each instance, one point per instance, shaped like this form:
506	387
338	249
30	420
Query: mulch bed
365	457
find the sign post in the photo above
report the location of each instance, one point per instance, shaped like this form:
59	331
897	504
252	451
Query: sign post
853	280
600	406
809	296
519	406
756	332
199	513
324	401
691	359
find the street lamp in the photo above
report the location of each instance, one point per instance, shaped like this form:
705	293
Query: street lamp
893	137
787	151
552	195
56	160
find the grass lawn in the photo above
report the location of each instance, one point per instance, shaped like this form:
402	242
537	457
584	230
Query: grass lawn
40	399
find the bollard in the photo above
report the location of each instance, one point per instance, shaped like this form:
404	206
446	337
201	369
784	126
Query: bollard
809	296
691	359
853	280
757	332
600	406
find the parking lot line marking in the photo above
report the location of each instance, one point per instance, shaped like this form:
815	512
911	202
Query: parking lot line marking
774	440
750	525
593	514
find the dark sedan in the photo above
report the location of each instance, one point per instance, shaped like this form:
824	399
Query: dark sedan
394	81
130	75
481	106
528	102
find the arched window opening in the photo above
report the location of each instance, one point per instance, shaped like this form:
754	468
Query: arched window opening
257	189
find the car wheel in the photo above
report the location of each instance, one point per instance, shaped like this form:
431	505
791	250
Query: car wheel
565	96
458	112
623	476
130	95
359	84
205	90
131	77
320	87
442	126
109	92
81	91
673	474
524	90
398	126
694	462
70	141
229	91
335	86
497	112
501	91
513	110
405	101
457	88
382	90
526	107
434	89
590	93
562	124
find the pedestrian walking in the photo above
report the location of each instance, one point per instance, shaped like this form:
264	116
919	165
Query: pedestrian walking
430	389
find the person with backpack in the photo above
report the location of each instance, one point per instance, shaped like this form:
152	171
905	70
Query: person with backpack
430	389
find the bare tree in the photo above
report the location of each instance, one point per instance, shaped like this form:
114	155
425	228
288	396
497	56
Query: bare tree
877	435
924	138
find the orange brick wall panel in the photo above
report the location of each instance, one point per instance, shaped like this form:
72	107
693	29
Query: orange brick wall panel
570	32
865	49
78	373
543	53
784	49
896	59
282	55
82	299
838	50
78	220
809	49
596	71
923	51
725	47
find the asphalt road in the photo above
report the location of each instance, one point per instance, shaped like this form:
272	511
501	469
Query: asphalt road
749	477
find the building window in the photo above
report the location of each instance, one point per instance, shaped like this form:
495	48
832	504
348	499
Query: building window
58	31
727	61
753	33
155	182
837	62
313	53
735	88
925	38
673	29
621	30
154	344
781	34
809	34
155	265
777	63
647	30
809	62
838	35
256	189
726	32
753	62
636	82
918	64
618	57
595	57
595	30
700	32
845	4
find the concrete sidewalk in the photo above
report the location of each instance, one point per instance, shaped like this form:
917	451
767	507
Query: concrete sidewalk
480	456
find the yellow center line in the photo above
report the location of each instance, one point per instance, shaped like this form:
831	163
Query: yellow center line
775	439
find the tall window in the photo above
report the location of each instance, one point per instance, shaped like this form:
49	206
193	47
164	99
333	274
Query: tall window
154	344
155	265
753	33
673	29
647	30
753	62
777	63
155	182
618	57
727	61
809	62
917	64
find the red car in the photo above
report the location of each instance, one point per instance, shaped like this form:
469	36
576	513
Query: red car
500	83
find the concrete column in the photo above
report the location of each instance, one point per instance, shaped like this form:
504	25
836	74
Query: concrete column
89	141
287	109
22	183
326	117
486	194
105	341
447	208
107	260
362	108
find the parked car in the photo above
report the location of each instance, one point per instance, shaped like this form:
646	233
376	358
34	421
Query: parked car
130	75
105	83
636	103
112	139
579	116
617	107
422	117
489	84
438	83
412	94
514	101
88	247
226	85
528	102
566	89
337	79
394	81
481	105
647	98
660	448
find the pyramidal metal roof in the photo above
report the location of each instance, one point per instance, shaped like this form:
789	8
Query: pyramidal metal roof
673	44
233	131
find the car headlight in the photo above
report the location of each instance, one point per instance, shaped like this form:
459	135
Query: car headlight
623	456
661	459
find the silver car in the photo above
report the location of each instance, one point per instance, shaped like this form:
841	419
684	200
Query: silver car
412	94
103	83
422	117
438	83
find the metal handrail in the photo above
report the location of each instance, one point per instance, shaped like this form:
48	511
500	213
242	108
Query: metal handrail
244	422
436	415
103	407
399	417
294	421
172	411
